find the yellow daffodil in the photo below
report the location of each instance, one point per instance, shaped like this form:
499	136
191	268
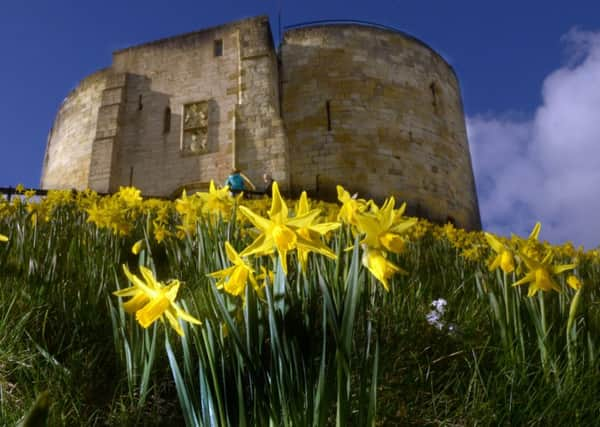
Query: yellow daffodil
380	266
137	247
185	205
504	259
114	212
530	246
540	274
151	300
189	209
160	231
351	206
310	232
280	232
536	231
234	279
266	276
163	213
37	211
383	227
419	230
574	282
217	201
3	238
131	196
95	215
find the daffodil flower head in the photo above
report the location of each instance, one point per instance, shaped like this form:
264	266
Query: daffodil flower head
3	238
574	282
266	276
95	215
131	196
311	231
235	278
189	209
383	227
535	232
351	206
540	274
152	300
531	247
217	201
137	247
421	228
380	267
160	231
183	204
504	258
303	206
280	233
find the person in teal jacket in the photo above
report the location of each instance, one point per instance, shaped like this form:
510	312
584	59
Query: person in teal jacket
236	182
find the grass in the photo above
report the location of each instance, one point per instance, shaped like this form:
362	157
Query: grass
325	346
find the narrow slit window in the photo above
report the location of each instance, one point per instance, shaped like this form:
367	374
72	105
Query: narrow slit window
140	104
167	121
434	95
328	110
218	47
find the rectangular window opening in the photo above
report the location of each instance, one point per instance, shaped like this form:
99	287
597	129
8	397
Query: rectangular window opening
218	47
434	96
167	121
328	109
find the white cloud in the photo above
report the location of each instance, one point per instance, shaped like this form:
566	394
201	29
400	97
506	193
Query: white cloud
546	168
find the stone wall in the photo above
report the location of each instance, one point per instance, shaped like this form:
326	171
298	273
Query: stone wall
69	145
105	150
380	113
260	140
181	74
222	111
372	109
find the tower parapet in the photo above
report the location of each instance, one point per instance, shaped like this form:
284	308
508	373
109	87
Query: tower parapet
379	112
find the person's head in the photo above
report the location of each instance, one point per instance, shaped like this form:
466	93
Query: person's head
235	171
267	177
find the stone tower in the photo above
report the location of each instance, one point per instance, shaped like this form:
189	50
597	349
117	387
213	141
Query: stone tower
360	105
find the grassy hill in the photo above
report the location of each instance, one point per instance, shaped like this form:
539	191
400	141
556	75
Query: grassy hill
211	310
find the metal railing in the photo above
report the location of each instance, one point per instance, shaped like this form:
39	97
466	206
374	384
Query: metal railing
12	191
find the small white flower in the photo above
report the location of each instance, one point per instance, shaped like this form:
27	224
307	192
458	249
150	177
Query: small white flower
440	305
434	317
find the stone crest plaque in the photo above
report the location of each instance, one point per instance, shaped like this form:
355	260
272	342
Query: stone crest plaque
194	138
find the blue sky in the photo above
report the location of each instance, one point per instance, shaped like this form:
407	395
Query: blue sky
529	72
